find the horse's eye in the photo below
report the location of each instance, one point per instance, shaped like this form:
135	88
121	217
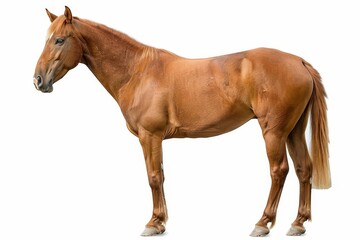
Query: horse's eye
59	41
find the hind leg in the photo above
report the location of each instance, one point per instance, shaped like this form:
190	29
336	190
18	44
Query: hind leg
303	166
276	151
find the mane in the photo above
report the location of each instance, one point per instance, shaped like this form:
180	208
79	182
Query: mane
113	32
145	60
147	52
146	55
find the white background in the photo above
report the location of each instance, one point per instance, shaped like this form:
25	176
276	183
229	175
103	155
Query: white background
69	169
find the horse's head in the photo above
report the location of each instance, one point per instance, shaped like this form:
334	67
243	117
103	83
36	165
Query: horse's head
62	51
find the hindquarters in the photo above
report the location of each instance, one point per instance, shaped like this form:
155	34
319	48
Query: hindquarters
281	90
285	91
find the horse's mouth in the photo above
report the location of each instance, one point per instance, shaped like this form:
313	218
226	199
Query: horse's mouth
45	88
49	89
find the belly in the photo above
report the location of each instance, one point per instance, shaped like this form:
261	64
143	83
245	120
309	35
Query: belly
208	117
211	130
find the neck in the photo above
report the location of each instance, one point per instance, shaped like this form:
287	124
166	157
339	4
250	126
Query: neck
110	55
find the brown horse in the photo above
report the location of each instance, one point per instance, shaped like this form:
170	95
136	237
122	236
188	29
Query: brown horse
162	95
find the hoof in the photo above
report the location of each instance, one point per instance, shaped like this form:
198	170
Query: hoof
296	231
259	231
151	231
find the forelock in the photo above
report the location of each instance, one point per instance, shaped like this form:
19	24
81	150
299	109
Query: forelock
54	26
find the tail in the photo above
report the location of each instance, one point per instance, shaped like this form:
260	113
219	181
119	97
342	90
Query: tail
321	177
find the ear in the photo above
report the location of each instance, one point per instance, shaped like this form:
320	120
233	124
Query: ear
68	14
51	16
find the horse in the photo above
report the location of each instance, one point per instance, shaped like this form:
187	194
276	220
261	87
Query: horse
162	95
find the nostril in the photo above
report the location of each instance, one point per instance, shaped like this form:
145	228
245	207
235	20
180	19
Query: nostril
39	81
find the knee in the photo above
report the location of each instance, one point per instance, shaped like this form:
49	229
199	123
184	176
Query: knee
279	173
155	179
